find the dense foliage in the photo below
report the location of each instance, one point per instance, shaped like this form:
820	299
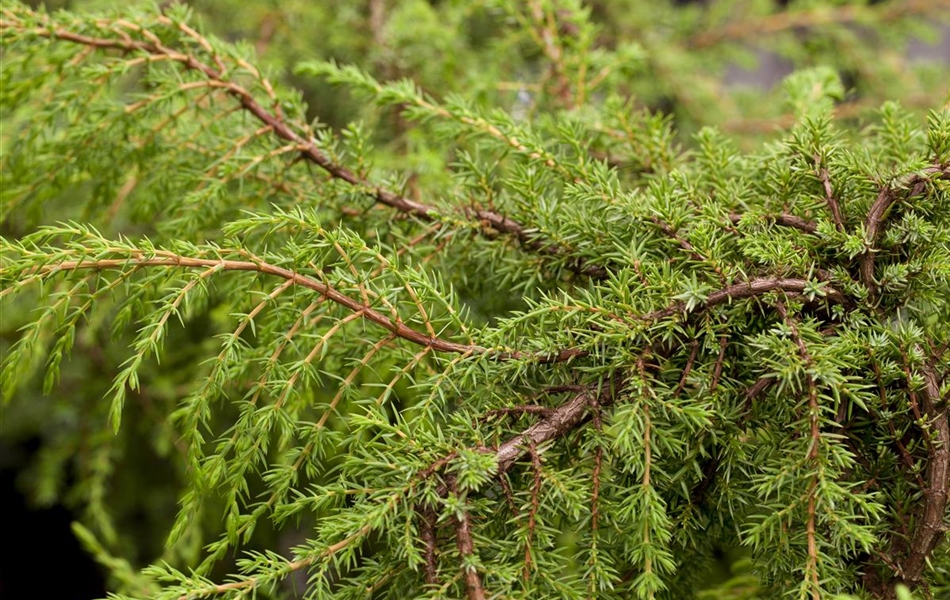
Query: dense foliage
531	325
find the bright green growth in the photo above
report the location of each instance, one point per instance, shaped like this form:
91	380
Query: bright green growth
480	360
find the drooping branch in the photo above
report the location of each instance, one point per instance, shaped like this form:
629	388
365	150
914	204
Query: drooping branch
136	259
251	583
490	223
533	511
139	259
427	533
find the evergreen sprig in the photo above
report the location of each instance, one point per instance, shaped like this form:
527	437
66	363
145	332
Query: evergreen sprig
531	375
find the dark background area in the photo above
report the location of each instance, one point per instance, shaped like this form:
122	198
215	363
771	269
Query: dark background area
40	551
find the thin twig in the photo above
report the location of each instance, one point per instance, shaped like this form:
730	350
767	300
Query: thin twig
830	199
747	289
533	511
811	567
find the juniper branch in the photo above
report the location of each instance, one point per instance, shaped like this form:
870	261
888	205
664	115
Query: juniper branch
139	259
490	223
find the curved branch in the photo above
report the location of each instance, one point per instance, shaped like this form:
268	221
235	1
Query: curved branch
555	423
747	289
876	216
561	420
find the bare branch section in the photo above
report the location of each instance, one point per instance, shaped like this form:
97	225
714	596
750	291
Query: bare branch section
558	423
427	533
490	223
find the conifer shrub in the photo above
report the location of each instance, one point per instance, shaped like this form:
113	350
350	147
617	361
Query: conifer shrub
489	341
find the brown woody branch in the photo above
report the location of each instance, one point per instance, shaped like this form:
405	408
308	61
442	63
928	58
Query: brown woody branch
918	547
717	367
595	475
747	289
886	198
811	534
491	223
561	420
930	523
786	220
463	539
139	259
251	583
557	423
533	512
694	350
427	532
901	448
